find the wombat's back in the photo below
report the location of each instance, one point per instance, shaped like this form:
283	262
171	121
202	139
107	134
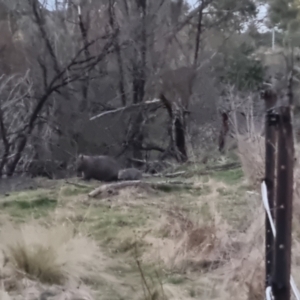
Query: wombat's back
130	174
102	167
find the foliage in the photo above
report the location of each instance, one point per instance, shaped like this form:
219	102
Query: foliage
240	69
286	16
283	13
233	13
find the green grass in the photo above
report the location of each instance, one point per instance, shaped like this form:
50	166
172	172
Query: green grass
234	207
229	177
174	188
175	279
29	195
34	204
192	293
106	223
42	203
70	191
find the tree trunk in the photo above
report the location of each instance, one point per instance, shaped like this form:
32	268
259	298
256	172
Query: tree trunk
138	86
224	131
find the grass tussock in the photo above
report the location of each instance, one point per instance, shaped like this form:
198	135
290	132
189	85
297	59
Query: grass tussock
50	255
251	151
244	274
27	289
230	259
4	295
191	244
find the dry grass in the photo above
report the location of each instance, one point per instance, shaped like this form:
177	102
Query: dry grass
248	135
231	260
244	273
52	255
251	151
189	236
32	290
196	242
4	295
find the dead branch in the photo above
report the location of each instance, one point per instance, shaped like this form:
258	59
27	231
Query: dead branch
114	186
109	112
152	147
170	175
140	161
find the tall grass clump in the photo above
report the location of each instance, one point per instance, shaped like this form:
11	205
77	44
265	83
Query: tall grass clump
251	154
50	255
191	243
248	135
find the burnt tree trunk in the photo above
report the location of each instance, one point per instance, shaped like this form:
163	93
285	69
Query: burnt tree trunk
114	26
177	130
138	84
199	31
180	138
86	81
6	143
224	131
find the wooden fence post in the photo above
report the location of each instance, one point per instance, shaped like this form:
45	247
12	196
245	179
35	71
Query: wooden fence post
271	132
283	208
270	162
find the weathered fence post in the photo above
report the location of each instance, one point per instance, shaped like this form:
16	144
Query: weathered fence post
283	208
270	162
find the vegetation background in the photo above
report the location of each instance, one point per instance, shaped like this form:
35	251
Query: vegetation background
158	85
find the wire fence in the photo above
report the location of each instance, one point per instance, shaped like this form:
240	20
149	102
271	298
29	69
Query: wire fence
277	195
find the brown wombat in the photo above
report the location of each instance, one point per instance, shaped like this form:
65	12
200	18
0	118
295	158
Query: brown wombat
130	174
102	167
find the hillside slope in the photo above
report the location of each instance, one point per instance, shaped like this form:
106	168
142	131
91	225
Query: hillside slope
202	239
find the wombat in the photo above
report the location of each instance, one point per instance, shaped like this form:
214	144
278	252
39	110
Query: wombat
102	167
130	174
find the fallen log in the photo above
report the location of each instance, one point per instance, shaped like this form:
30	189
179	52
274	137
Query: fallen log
111	187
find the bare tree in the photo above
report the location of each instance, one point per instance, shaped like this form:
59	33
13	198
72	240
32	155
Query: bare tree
109	62
74	70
